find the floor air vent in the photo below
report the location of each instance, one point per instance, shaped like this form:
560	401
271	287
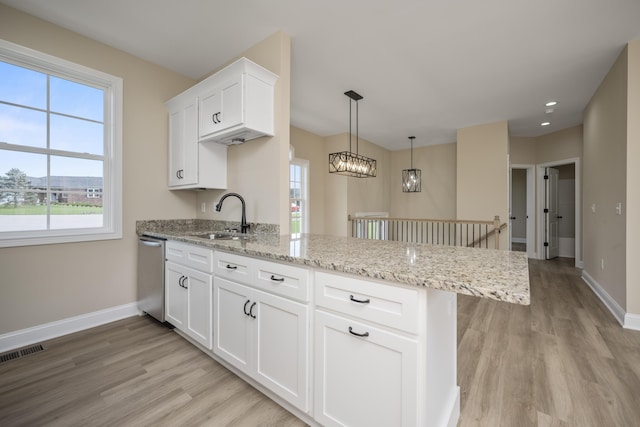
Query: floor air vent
21	352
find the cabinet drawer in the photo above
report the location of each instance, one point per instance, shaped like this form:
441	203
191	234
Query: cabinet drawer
284	280
190	255
234	267
388	305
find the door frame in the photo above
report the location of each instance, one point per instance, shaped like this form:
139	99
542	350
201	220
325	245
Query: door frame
578	208
531	247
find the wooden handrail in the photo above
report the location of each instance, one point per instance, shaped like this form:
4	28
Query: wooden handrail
489	234
445	221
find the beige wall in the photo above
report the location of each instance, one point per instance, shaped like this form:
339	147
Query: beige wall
632	207
370	194
41	284
309	146
335	191
483	174
604	182
258	169
560	145
437	200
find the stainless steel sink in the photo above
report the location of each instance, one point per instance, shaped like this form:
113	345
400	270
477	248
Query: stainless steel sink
222	236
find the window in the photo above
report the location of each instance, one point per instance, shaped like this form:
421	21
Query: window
60	150
298	196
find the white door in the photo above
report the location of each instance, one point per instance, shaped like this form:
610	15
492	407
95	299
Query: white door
199	307
183	145
282	355
364	376
552	218
175	295
231	336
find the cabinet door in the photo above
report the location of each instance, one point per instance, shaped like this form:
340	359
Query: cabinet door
366	380
281	330
175	295
199	307
221	108
183	144
231	334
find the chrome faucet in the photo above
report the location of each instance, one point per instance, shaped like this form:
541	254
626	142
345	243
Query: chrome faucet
244	227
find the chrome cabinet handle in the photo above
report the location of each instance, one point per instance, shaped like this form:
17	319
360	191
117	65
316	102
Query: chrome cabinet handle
364	334
277	279
359	301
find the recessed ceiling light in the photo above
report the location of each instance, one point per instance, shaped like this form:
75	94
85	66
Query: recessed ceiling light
551	103
549	110
545	123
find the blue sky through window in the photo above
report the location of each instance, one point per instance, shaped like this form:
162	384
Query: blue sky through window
25	122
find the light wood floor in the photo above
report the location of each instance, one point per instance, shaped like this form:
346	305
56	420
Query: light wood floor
563	361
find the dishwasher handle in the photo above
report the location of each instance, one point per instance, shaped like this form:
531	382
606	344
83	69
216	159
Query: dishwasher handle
149	243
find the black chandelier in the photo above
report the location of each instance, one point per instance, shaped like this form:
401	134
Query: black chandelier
411	178
349	163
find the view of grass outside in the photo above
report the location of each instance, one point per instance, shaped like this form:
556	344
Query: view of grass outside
55	209
295	222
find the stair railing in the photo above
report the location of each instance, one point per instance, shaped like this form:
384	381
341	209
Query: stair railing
447	232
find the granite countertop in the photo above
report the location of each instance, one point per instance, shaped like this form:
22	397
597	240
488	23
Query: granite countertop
486	273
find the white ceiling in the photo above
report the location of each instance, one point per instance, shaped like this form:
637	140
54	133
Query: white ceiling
424	67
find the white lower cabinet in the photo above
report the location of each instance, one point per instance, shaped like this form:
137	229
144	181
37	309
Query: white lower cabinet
189	302
364	375
265	336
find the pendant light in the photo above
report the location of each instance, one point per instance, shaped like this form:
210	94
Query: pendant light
349	163
411	178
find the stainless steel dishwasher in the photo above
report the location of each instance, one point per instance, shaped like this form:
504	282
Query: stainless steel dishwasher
151	276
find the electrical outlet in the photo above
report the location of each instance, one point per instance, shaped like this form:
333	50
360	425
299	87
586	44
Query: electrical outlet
593	208
602	263
203	207
619	208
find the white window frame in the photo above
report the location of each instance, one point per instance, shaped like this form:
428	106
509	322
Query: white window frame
304	193
112	161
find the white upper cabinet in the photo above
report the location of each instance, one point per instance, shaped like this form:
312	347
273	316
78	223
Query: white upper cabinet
232	106
236	103
192	165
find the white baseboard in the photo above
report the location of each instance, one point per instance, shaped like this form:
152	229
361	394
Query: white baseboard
454	413
62	327
632	321
615	309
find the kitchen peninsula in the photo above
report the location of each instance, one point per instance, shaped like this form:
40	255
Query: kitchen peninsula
343	331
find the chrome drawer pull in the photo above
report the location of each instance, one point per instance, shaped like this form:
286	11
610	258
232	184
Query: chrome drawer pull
364	334
359	301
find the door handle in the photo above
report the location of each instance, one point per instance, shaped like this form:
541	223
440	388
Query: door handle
360	301
559	216
364	334
513	217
